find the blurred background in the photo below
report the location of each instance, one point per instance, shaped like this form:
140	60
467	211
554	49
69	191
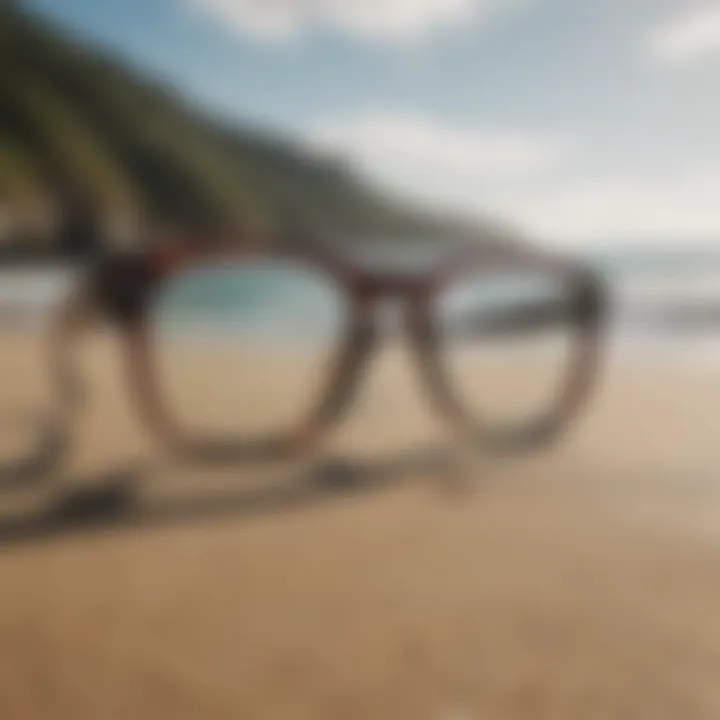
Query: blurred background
580	582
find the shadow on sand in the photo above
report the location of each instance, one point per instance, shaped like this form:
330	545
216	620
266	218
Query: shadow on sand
115	501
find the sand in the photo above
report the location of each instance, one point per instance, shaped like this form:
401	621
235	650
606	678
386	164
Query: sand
579	584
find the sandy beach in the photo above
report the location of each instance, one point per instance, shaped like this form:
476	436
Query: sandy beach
580	584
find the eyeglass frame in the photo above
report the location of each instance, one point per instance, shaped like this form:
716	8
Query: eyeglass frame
128	285
121	288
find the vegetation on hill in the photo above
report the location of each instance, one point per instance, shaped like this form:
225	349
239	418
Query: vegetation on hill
74	118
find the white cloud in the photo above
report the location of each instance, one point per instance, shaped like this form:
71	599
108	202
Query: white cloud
676	208
687	37
383	19
529	181
423	148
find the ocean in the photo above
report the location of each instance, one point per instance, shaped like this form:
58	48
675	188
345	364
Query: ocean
664	304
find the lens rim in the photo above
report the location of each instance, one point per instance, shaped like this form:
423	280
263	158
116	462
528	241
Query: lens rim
337	387
586	303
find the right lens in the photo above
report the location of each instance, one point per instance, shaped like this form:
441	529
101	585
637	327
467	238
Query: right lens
242	348
507	340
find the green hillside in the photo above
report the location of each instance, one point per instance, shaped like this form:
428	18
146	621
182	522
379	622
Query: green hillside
73	117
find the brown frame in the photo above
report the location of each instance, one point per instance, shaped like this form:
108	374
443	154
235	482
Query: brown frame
125	286
121	287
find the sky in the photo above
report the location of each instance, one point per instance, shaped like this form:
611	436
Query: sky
577	121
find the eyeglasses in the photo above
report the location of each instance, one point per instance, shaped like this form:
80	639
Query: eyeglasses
506	341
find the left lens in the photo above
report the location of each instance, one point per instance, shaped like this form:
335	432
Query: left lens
242	348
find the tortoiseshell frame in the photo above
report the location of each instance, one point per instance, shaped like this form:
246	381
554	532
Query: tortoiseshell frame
126	285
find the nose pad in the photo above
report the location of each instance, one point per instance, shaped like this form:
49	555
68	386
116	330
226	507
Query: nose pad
349	371
381	325
424	347
388	419
389	319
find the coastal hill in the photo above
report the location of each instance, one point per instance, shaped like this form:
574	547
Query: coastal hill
74	116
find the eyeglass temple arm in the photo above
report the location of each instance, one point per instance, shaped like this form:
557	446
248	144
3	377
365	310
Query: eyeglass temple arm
69	320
